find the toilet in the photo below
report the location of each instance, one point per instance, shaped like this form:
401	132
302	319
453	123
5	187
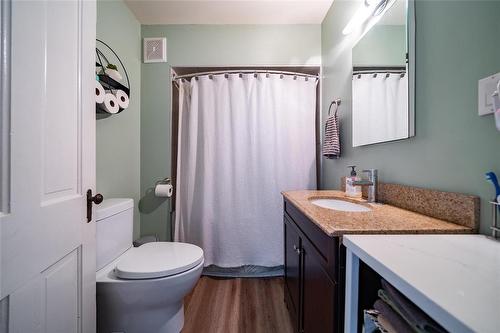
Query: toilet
140	289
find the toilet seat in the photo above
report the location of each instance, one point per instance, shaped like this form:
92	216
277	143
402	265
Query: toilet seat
158	259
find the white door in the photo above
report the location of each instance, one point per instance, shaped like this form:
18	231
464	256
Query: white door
47	270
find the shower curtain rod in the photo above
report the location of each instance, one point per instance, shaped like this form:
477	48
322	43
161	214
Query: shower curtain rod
245	71
381	71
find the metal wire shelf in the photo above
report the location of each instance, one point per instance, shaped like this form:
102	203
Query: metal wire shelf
106	81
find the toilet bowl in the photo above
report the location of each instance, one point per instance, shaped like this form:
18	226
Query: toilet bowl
140	289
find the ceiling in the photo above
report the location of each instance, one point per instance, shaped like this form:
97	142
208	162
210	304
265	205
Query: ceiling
229	11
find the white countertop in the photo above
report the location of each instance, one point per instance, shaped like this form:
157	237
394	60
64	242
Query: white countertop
453	278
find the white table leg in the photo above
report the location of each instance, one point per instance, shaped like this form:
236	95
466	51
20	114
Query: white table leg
351	292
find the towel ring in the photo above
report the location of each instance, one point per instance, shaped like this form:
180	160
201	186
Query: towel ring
337	103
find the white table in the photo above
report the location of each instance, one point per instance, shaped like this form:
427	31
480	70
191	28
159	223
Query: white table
455	279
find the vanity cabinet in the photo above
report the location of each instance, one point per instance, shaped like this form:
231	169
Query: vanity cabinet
314	273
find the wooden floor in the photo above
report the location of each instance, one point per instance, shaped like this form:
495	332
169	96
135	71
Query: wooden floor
236	305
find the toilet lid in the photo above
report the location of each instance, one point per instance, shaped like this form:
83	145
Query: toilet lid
158	259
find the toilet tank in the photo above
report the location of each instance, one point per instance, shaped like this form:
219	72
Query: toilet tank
114	229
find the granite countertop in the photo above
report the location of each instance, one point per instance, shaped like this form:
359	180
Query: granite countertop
382	219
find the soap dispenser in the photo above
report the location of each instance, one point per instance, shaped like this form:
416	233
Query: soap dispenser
350	189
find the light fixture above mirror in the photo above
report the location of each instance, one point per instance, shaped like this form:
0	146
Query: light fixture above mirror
371	10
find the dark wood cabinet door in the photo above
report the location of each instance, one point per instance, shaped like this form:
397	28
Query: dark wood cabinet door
292	270
318	294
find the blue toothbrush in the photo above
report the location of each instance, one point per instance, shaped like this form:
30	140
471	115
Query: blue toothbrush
494	180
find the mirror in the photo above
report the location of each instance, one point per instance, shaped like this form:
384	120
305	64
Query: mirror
383	79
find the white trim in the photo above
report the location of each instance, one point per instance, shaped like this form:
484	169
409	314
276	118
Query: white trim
5	86
351	292
410	44
88	162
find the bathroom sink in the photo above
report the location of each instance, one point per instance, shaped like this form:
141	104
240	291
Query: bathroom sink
341	205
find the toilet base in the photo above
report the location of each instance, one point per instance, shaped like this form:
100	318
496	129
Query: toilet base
144	305
164	320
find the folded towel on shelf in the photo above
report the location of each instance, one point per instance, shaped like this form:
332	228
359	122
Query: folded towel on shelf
331	145
390	320
416	318
370	323
388	326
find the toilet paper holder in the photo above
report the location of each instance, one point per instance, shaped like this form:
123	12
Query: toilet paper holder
163	188
164	181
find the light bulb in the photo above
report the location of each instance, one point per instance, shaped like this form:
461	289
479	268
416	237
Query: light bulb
359	17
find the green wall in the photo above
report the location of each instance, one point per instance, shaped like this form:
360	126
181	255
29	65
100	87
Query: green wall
383	45
118	137
456	44
204	45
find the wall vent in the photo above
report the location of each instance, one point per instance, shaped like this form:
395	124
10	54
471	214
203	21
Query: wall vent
155	49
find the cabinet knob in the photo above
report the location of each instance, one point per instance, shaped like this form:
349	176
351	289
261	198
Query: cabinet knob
297	250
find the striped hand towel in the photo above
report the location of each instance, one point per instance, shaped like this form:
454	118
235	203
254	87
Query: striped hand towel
331	145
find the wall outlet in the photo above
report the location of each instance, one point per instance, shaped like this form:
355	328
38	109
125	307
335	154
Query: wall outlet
485	89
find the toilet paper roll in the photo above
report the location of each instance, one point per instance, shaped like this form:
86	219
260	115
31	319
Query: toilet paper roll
110	104
164	190
122	98
99	93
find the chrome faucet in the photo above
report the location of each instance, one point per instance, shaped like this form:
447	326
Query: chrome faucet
371	182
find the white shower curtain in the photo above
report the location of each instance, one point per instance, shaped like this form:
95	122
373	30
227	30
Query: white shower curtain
242	140
379	108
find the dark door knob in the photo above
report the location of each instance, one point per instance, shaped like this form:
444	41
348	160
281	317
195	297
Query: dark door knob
97	199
